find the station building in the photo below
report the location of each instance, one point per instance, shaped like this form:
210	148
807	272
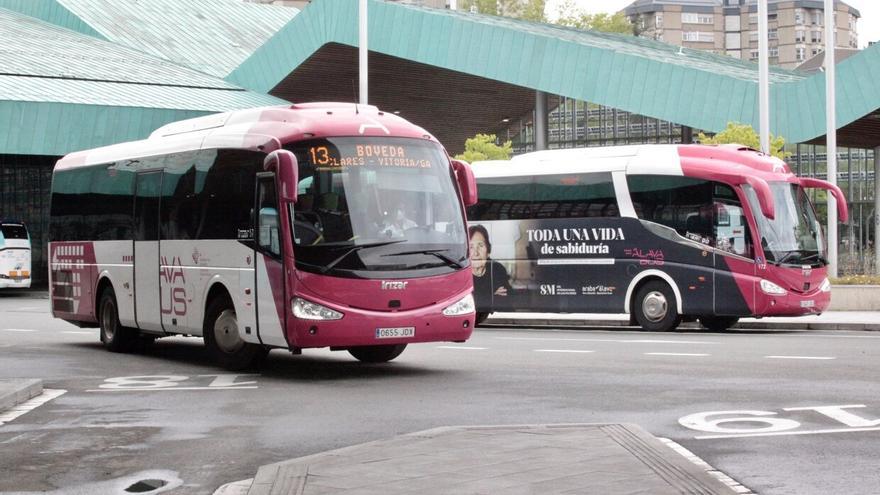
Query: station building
85	73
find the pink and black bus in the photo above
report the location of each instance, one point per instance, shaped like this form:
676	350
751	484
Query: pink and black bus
661	232
303	226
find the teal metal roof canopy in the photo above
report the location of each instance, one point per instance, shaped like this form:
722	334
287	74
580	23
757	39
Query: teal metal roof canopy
694	88
62	91
211	36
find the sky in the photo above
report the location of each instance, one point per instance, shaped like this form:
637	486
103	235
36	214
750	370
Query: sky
869	24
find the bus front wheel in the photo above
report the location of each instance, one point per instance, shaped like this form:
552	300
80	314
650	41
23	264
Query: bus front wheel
223	341
655	307
481	318
116	338
718	323
376	353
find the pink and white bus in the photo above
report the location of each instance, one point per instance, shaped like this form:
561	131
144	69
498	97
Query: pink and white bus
661	232
313	225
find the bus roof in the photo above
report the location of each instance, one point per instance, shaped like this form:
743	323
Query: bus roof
659	159
264	128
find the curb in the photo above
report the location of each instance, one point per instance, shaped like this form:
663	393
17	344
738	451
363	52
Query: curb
14	392
748	325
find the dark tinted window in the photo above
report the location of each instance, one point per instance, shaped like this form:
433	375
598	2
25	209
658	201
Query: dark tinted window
680	203
180	210
268	231
225	205
12	231
545	196
92	203
146	206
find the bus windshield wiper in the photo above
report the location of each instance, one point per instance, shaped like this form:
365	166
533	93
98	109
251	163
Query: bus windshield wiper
434	252
354	249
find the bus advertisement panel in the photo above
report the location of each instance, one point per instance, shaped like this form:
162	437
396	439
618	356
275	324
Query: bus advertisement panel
15	255
316	225
660	232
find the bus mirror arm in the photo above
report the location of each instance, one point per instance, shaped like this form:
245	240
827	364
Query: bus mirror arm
467	184
286	169
842	209
765	195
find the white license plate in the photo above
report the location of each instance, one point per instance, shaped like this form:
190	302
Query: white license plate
808	304
395	333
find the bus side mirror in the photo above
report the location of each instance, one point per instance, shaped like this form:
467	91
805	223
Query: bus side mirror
467	184
842	209
286	169
765	196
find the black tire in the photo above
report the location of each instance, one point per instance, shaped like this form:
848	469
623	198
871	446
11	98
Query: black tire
116	338
718	323
376	353
655	307
223	340
481	318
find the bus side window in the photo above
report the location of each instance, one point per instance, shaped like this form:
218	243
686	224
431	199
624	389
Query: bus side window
730	228
268	234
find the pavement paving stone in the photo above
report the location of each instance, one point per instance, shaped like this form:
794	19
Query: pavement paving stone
546	459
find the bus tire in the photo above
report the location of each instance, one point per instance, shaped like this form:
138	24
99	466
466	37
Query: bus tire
376	353
655	307
223	341
481	318
116	338
718	323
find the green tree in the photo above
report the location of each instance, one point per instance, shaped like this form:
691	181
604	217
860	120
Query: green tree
489	7
530	10
483	147
568	14
744	134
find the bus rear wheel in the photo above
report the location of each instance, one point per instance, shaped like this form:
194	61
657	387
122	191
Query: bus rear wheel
376	353
116	338
655	307
718	323
223	341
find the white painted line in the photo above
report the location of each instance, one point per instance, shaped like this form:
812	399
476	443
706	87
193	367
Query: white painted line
818	358
783	433
74	332
618	341
29	405
700	463
675	354
19	330
152	389
461	347
574	351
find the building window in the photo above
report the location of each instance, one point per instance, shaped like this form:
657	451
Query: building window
800	36
815	51
817	17
698	36
774	52
753	55
694	18
773	34
798	16
658	20
800	54
771	17
753	18
816	36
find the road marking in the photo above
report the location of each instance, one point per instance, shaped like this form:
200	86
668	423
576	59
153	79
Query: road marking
781	433
461	347
29	405
149	389
700	463
619	341
73	332
564	350
818	358
19	330
675	354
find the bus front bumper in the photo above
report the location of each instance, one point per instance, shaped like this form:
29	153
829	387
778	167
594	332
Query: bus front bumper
793	304
7	282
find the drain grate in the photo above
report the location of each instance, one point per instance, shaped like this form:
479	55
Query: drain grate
143	486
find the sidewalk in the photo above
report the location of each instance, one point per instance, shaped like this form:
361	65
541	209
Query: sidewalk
16	391
832	320
612	459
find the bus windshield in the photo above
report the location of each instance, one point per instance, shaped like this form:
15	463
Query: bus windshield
13	231
376	204
795	235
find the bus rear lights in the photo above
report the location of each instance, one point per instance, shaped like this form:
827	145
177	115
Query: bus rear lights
463	306
769	287
306	310
826	286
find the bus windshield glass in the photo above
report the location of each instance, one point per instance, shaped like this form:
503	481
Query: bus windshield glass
13	231
376	205
795	235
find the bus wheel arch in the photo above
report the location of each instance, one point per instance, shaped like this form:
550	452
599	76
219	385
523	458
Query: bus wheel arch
654	304
643	278
221	333
114	336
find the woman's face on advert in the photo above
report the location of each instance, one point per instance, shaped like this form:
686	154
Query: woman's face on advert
479	251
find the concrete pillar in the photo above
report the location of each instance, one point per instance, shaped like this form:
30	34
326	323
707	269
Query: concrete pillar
687	135
876	210
541	127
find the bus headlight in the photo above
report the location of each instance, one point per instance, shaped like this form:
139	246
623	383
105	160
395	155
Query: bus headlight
463	306
826	286
770	288
307	310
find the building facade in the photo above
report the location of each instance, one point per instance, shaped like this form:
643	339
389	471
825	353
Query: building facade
796	28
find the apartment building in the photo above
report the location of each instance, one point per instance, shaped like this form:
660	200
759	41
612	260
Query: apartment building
437	4
796	28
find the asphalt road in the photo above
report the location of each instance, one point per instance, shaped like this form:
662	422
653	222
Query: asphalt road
780	430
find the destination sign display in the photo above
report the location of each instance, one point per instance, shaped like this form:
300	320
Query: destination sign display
325	155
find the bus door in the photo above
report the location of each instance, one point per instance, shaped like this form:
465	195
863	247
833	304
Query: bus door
734	265
268	263
148	187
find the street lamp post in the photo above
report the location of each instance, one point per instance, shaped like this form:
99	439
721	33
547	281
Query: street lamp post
831	135
763	78
362	51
